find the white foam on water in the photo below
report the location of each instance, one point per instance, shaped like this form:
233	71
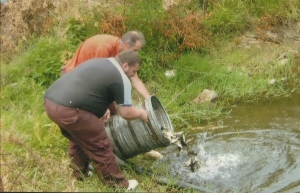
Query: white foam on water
213	166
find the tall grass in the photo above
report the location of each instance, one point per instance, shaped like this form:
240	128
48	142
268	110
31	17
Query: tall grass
233	82
34	153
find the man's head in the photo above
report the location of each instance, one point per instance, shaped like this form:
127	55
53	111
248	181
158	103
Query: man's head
130	62
132	40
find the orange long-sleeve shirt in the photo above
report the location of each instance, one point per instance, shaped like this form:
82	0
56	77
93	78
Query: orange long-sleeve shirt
98	46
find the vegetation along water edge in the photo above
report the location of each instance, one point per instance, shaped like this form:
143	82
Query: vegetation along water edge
242	50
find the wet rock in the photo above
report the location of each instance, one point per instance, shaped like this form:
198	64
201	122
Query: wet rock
197	129
282	56
170	73
154	155
14	85
272	81
272	35
206	128
206	96
169	3
283	62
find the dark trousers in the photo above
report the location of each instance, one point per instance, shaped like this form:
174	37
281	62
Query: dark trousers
88	142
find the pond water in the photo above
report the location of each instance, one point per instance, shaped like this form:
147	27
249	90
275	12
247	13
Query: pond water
256	149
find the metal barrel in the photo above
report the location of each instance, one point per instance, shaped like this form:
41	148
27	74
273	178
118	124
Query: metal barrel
131	138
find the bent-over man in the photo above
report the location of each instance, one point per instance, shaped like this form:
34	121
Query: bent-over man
105	46
77	100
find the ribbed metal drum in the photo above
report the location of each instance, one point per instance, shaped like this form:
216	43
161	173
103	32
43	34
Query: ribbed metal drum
131	138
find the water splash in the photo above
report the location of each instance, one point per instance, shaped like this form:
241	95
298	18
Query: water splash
216	166
259	153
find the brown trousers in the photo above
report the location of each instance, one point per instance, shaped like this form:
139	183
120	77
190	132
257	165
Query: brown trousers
88	142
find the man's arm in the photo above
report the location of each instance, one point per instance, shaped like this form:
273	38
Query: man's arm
131	113
139	86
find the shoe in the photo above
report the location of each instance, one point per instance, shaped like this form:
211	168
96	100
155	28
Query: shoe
90	174
132	184
154	154
91	168
81	177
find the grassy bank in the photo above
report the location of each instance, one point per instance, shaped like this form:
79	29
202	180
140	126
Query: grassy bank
205	44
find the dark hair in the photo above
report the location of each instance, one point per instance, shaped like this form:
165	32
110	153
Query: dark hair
132	37
130	57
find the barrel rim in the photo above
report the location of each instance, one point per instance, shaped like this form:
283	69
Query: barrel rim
165	112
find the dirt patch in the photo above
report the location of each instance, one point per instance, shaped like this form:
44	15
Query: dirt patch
281	35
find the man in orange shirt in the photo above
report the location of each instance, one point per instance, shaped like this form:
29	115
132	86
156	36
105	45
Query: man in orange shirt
105	46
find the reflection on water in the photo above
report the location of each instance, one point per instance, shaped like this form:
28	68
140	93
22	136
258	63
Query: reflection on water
258	151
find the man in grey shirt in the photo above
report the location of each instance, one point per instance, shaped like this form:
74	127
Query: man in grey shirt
77	100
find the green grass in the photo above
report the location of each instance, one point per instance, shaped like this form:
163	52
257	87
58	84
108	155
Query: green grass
240	75
34	153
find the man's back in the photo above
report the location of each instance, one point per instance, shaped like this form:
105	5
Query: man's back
92	86
98	46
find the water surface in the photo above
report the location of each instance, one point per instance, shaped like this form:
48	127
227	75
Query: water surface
255	148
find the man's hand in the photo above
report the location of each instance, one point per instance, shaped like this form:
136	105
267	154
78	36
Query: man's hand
144	115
